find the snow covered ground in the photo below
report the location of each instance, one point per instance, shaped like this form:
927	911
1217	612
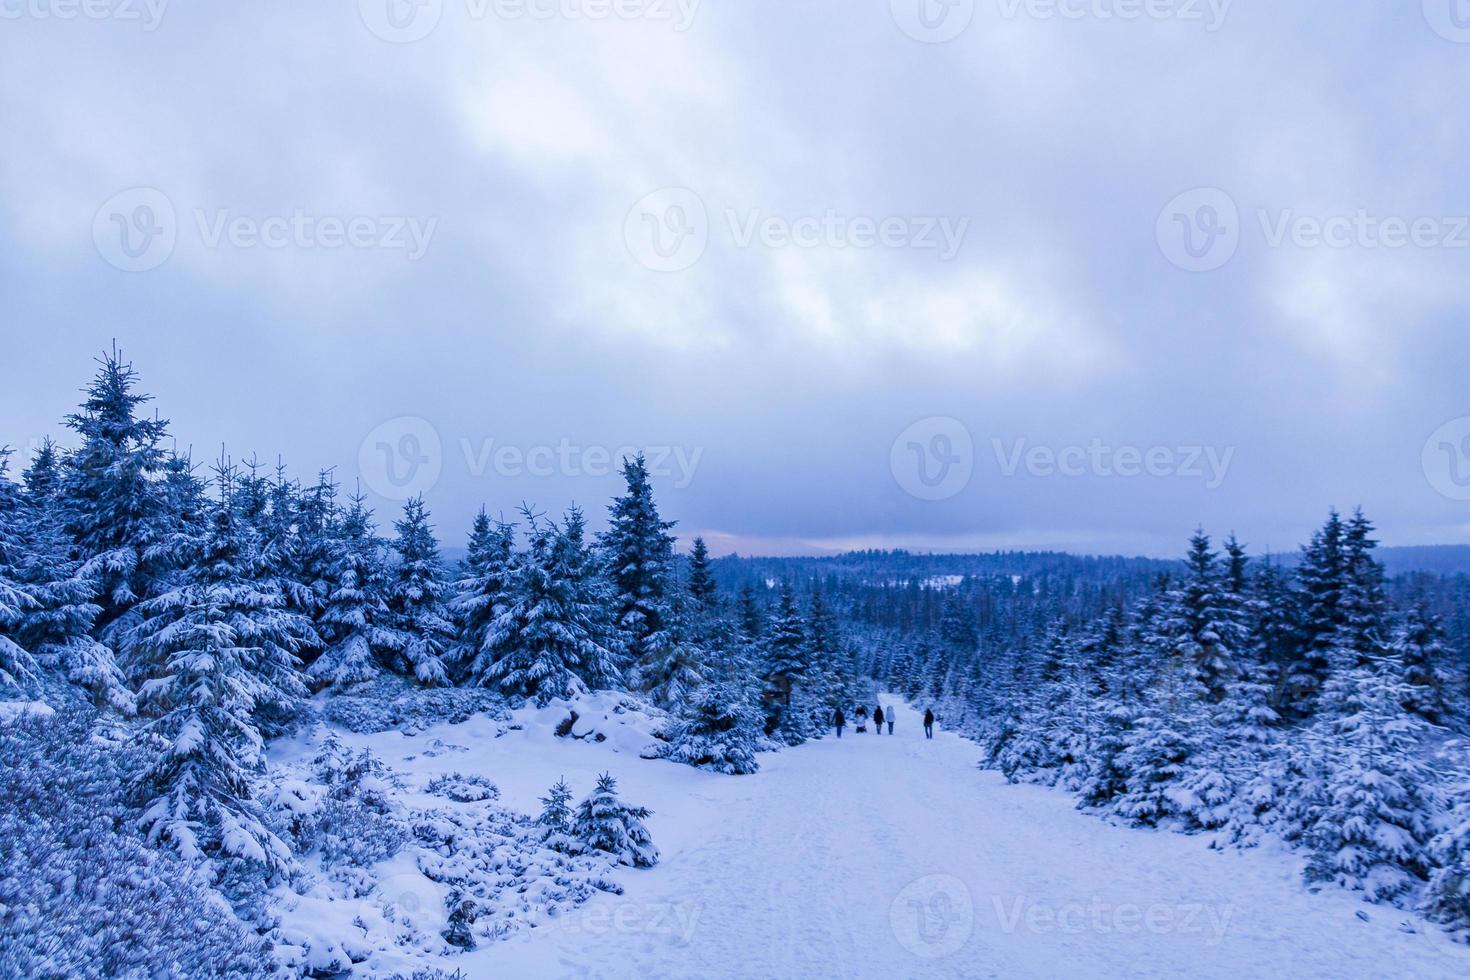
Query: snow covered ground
895	857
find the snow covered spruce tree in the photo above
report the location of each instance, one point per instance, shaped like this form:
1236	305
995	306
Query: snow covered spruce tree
482	594
603	822
1378	803
787	672
421	627
223	649
58	627
116	510
355	619
19	672
637	551
678	666
554	824
717	728
552	639
1447	896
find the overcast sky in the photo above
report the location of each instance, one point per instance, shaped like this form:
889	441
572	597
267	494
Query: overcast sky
1004	273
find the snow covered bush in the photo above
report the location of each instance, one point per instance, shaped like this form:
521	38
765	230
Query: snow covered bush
603	822
396	704
355	821
716	729
81	894
1447	897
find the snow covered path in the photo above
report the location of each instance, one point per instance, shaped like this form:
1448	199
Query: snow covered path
894	857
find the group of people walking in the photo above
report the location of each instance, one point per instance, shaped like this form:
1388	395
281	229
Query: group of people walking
881	716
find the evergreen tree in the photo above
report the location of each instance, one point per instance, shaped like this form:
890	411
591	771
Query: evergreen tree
116	510
1320	578
58	626
702	586
19	672
1199	626
1418	645
1447	896
552	635
554	825
422	630
679	666
355	622
225	646
482	594
638	552
787	670
718	728
1372	830
605	823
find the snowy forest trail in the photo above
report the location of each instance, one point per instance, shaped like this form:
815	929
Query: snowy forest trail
894	857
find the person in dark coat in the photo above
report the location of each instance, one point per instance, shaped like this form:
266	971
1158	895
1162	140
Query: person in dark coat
928	722
839	721
878	719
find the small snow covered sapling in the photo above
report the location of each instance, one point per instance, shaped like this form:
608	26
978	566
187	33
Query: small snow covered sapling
555	822
605	823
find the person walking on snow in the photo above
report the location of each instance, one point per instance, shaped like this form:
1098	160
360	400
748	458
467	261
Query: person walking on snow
928	722
839	721
878	719
862	716
888	715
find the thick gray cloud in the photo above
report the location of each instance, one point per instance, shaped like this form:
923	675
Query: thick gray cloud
852	287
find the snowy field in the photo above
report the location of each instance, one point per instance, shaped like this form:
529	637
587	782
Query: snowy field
885	857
